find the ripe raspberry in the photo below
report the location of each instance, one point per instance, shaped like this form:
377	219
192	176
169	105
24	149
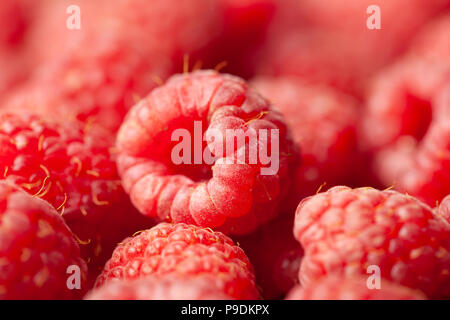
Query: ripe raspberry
275	255
70	166
235	197
185	251
344	231
168	287
354	288
306	53
444	209
406	125
36	248
323	123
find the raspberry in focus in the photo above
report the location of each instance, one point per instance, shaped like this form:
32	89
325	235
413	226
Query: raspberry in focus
185	251
233	194
344	231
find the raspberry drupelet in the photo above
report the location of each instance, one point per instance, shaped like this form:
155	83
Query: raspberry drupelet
234	193
344	231
183	250
353	288
36	249
71	166
166	287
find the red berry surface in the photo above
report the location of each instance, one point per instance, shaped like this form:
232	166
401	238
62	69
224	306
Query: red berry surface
36	248
234	194
406	125
323	122
70	165
344	231
353	288
432	41
166	287
183	250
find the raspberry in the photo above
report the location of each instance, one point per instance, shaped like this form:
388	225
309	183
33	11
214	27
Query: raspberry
306	54
323	123
233	196
168	287
354	288
406	125
400	21
70	166
444	209
36	248
344	231
275	255
96	83
185	251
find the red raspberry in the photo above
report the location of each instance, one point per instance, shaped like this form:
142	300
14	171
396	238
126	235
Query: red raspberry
400	21
354	288
36	248
275	255
70	166
444	209
168	287
183	250
406	124
323	123
235	197
344	231
306	54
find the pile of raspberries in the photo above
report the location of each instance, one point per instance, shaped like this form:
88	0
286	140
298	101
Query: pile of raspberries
114	117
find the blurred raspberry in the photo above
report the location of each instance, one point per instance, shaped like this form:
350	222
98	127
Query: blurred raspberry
329	42
275	255
353	288
120	53
167	287
318	57
400	21
185	251
70	166
232	192
36	248
406	124
323	123
345	231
